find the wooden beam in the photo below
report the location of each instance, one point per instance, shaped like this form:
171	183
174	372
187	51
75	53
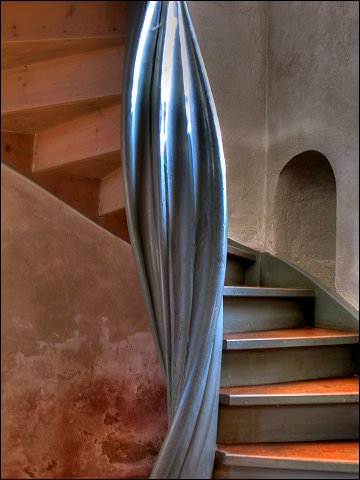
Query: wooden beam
35	92
111	194
29	20
88	146
15	54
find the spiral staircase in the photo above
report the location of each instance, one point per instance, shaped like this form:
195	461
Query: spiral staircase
289	384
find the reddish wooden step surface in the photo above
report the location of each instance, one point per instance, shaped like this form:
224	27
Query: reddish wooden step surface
292	337
336	456
331	390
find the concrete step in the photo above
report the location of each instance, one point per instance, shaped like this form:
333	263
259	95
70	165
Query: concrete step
294	337
238	260
287	355
248	309
297	411
334	459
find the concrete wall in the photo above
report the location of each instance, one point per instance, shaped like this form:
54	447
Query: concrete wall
83	396
285	80
313	105
232	39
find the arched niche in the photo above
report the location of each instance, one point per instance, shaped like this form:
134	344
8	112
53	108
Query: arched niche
305	215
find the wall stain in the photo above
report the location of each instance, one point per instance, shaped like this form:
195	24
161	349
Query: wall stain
83	394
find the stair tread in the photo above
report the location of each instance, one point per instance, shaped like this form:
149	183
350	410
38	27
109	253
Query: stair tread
339	452
88	146
289	337
332	390
305	332
33	96
42	30
267	292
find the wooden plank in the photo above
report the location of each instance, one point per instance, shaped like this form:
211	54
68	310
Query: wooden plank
38	119
85	77
29	20
267	292
111	193
286	338
334	390
17	150
288	423
88	146
275	365
16	54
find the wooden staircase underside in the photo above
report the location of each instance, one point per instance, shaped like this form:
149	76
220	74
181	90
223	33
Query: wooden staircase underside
62	66
289	391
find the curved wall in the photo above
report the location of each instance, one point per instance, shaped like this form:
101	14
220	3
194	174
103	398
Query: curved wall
232	39
285	80
305	215
83	395
313	104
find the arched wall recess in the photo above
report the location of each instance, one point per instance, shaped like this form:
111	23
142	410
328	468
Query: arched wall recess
305	215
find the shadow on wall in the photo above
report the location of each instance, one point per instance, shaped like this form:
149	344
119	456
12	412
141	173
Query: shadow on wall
305	215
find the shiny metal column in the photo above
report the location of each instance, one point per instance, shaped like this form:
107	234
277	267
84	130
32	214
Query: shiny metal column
174	183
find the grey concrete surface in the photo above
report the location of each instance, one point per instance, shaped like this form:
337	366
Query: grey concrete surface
313	105
285	80
232	39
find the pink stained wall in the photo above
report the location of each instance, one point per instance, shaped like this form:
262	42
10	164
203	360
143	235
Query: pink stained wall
82	391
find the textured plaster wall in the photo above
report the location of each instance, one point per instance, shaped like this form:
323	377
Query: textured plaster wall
285	80
82	392
232	39
305	220
313	105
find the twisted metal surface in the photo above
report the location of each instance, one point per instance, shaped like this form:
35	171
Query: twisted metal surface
174	183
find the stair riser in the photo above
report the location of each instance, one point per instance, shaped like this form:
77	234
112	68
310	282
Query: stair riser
276	473
235	271
254	314
288	423
265	366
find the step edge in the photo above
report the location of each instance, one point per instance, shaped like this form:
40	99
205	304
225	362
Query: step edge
233	291
234	400
305	464
254	344
54	169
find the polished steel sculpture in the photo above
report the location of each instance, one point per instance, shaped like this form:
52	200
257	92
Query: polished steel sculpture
175	193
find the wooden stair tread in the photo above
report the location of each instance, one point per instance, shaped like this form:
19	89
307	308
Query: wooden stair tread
335	455
267	292
43	30
88	146
32	95
333	390
291	337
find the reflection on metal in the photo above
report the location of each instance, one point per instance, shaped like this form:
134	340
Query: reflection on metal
174	182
